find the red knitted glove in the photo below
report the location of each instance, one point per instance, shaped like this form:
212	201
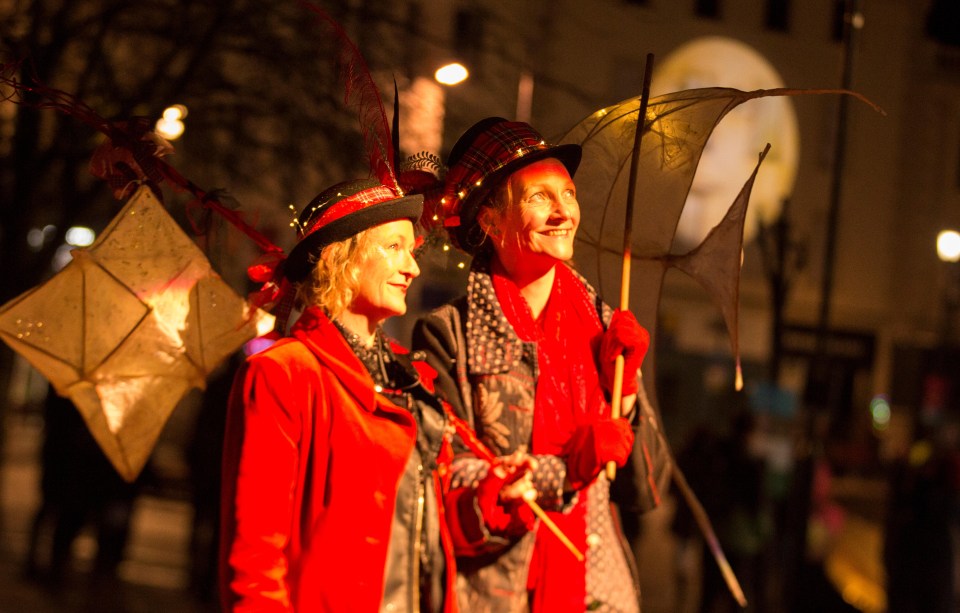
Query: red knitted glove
593	445
625	335
509	517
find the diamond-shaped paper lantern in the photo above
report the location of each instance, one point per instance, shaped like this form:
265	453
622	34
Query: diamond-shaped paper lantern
129	326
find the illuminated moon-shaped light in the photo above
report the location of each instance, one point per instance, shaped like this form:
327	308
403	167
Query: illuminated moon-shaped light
731	153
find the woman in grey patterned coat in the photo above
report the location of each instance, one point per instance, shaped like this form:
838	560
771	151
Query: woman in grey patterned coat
526	358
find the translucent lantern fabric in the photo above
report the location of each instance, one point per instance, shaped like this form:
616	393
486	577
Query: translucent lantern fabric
129	326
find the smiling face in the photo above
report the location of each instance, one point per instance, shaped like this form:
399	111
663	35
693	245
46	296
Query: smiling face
538	224
385	274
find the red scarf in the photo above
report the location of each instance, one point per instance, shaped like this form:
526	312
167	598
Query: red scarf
567	334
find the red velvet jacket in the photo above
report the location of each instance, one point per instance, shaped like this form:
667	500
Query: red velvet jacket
312	460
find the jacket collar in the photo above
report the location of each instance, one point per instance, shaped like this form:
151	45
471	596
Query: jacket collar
315	330
492	345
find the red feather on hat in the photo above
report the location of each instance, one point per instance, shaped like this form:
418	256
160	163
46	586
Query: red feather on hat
361	93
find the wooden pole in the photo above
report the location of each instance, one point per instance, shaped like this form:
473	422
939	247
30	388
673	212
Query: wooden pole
616	395
554	528
470	439
703	522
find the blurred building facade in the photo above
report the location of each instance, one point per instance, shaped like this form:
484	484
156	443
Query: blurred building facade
900	175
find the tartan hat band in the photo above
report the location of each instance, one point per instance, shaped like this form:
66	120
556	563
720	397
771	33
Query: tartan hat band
351	204
342	211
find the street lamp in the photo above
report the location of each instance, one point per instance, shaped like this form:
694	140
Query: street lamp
453	73
948	250
948	246
170	125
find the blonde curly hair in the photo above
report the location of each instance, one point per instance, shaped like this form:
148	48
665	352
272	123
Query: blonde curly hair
335	276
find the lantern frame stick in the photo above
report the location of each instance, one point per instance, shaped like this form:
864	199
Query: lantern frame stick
616	395
553	527
703	521
466	434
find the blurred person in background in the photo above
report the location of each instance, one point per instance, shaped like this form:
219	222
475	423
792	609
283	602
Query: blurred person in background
79	488
921	522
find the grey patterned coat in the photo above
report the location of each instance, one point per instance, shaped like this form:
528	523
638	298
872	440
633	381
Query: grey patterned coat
488	374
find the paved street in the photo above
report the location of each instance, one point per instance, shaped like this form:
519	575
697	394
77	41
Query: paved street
154	575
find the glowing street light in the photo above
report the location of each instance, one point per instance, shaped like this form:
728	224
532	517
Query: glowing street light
451	74
170	126
80	236
948	250
948	246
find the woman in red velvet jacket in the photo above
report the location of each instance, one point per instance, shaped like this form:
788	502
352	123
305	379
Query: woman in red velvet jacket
336	452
